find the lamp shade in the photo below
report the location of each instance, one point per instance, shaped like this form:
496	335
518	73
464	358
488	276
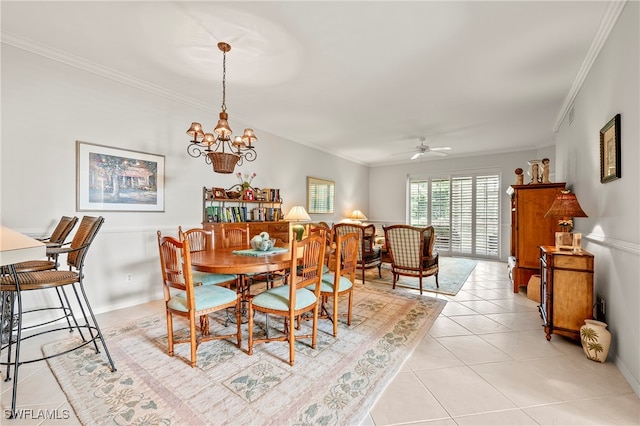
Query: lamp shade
357	215
297	214
565	206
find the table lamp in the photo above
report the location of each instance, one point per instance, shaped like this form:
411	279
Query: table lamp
565	207
297	214
357	215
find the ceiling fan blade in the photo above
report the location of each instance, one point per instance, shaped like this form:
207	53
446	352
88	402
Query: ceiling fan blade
416	155
442	148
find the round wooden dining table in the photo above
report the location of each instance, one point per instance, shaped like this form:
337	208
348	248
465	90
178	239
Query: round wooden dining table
224	261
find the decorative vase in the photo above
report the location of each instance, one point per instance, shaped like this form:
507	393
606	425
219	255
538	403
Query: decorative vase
595	339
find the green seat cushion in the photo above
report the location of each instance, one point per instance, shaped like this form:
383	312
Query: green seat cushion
277	298
207	278
327	284
206	297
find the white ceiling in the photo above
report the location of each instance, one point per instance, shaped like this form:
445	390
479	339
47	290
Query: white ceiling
363	80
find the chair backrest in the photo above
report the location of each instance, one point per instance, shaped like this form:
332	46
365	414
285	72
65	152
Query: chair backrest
307	267
429	241
328	232
235	235
174	274
366	234
347	252
63	229
199	239
406	245
87	231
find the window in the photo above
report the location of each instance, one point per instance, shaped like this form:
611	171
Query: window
464	211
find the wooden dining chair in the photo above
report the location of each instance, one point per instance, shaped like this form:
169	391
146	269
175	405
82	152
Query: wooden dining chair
369	254
202	240
235	235
411	252
185	299
295	298
341	280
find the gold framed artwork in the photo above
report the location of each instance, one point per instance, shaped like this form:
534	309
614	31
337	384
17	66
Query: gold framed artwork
610	150
116	179
320	195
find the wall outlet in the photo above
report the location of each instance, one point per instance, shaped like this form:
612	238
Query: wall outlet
129	278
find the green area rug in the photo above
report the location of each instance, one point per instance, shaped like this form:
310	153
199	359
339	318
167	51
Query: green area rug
453	273
336	383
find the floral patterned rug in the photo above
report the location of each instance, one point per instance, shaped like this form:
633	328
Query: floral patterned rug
335	384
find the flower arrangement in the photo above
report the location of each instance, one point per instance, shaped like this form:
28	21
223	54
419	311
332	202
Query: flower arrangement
245	179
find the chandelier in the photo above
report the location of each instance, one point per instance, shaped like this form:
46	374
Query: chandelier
217	148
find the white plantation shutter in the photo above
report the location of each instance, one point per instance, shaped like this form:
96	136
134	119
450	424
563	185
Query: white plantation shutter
464	211
487	214
462	215
441	213
419	194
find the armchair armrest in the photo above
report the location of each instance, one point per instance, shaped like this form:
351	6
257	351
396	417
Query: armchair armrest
430	261
62	250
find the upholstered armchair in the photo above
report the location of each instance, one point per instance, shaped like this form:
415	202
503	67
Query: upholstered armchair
368	252
411	252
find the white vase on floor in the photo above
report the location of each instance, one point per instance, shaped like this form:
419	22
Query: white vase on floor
595	339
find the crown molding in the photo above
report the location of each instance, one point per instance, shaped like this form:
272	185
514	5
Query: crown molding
102	71
606	25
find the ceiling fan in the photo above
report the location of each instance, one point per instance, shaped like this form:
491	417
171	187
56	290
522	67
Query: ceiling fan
423	149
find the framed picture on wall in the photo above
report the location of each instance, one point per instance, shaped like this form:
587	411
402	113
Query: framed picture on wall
610	157
219	193
320	195
116	179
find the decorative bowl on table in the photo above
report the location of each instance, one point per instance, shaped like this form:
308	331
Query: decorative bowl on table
263	245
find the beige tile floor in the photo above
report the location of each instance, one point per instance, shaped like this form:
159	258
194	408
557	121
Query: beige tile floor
485	361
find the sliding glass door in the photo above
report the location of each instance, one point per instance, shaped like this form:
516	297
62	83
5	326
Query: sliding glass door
464	211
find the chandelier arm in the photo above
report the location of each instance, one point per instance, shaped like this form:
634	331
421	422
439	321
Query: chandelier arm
249	154
196	150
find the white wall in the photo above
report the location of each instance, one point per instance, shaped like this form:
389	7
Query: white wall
48	105
387	184
612	230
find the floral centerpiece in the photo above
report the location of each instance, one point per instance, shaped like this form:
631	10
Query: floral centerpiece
245	179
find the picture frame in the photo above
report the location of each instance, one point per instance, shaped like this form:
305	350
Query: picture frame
118	179
219	193
610	155
249	194
320	195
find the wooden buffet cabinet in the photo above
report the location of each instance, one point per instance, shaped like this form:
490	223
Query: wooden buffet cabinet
232	211
566	290
529	228
280	230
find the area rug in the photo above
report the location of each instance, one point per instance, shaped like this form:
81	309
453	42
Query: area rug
335	384
452	275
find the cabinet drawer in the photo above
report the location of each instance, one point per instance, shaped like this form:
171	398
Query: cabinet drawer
256	227
279	227
573	261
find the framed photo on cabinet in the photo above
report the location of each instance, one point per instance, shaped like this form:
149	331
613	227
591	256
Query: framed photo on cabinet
116	179
610	156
